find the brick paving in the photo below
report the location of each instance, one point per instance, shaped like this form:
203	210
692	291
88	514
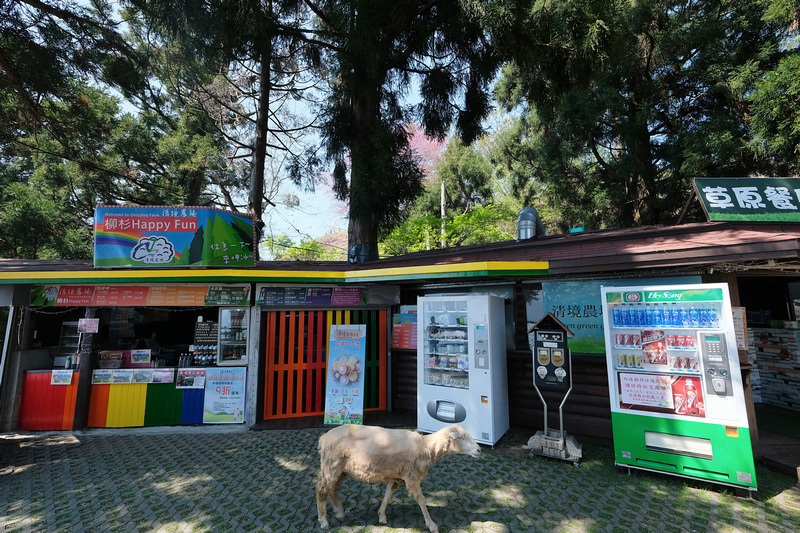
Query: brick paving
201	479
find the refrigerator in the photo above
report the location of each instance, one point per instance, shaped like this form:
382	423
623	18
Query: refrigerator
675	383
461	355
233	335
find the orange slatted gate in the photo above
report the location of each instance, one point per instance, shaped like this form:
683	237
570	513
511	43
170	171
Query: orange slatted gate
296	360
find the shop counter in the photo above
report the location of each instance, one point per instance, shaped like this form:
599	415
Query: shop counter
47	404
144	404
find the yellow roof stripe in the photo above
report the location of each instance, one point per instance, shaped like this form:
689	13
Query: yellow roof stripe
256	275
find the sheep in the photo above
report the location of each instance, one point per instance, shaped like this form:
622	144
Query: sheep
377	455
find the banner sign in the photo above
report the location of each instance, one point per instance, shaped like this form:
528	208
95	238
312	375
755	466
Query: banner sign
577	304
139	296
224	395
292	296
128	236
752	199
344	399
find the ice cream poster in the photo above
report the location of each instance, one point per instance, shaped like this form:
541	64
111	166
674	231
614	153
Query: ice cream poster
126	236
344	398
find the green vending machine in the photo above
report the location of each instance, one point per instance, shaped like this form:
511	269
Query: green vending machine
677	401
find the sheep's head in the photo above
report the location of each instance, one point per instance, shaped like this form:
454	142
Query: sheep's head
462	442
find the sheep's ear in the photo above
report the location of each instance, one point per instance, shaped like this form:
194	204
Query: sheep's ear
455	435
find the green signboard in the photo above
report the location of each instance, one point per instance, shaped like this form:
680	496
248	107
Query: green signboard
751	199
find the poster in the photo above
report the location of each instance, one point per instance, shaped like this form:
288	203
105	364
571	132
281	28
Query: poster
60	377
122	375
163	375
191	378
223	402
88	325
139	357
344	398
101	376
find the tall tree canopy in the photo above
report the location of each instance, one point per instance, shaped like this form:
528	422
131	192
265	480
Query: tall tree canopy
371	50
626	101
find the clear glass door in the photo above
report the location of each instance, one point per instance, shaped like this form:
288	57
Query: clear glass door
446	343
233	325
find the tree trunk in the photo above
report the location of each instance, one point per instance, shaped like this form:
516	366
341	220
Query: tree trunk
255	204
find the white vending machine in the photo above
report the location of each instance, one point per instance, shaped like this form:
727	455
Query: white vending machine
461	353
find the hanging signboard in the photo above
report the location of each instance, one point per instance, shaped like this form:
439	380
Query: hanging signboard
129	236
752	199
344	398
139	295
224	395
295	296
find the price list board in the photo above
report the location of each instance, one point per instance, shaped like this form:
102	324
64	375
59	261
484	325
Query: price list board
140	295
228	295
177	295
206	333
275	296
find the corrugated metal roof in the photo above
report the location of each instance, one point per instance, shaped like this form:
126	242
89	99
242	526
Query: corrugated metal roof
618	250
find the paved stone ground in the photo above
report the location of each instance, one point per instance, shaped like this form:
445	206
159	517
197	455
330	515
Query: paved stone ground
231	479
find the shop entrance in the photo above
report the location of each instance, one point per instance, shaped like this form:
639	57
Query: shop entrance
296	348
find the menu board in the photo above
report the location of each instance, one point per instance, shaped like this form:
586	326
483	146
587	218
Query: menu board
177	295
404	331
206	333
268	295
140	295
228	295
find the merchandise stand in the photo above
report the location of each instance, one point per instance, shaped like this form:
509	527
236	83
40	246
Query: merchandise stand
550	351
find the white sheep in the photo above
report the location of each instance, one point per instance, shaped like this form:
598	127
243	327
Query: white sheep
377	455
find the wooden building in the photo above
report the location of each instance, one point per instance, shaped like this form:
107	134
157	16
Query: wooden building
760	262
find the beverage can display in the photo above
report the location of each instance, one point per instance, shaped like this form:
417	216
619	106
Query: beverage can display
680	341
626	339
675	315
637	359
693	364
704	321
636	340
619	339
658	316
689	341
670	341
649	320
621	359
630	360
624	318
679	403
713	322
683	363
690	391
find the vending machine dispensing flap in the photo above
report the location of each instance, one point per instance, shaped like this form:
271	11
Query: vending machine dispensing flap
447	411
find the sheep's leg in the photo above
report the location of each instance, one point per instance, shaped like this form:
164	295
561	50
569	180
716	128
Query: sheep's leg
391	486
333	494
322	503
416	493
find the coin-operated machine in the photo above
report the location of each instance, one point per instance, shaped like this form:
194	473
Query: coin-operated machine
552	365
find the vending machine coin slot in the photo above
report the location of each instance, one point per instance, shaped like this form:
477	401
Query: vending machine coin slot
714	351
481	347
